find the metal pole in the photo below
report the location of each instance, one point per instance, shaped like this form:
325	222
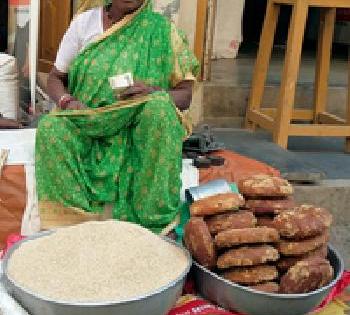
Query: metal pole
33	47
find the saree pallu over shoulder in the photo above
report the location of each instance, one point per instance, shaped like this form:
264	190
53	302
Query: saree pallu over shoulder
121	155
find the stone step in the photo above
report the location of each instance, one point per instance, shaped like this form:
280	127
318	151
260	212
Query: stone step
225	105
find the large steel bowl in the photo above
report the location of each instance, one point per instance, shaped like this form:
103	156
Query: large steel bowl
251	302
155	303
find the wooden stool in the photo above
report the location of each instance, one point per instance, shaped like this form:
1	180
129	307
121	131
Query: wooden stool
278	119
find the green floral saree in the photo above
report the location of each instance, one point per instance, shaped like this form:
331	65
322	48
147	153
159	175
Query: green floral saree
119	159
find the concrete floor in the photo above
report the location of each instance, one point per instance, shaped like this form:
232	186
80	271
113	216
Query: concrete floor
226	95
239	71
305	154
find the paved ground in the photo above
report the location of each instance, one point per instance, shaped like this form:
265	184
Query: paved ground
305	154
240	71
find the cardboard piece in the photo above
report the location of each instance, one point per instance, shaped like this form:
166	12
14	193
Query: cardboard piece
13	196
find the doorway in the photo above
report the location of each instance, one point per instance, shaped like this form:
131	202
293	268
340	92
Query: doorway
3	25
55	17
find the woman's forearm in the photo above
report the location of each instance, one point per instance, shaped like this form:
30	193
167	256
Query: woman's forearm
182	99
56	85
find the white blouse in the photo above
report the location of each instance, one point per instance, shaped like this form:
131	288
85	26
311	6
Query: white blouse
83	30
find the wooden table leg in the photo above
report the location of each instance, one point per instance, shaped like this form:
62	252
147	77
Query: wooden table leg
290	73
263	60
347	139
324	52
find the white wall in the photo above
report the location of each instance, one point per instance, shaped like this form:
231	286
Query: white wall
182	12
228	28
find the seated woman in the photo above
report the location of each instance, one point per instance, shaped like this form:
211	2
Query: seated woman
118	152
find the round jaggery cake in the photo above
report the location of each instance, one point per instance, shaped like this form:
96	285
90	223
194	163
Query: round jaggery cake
266	221
302	222
247	256
232	220
287	262
298	248
235	237
269	206
216	204
265	186
268	287
199	242
307	276
252	275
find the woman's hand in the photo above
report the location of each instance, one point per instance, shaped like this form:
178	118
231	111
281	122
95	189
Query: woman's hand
75	105
137	90
181	94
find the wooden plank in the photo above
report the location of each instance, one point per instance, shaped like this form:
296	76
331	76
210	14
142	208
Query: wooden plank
317	3
51	32
262	60
329	3
45	65
290	73
319	130
330	119
289	2
261	119
323	60
201	27
298	114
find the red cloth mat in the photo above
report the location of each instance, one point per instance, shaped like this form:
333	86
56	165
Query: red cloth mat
236	166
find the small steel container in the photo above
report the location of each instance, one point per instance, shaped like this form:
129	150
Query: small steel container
209	189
